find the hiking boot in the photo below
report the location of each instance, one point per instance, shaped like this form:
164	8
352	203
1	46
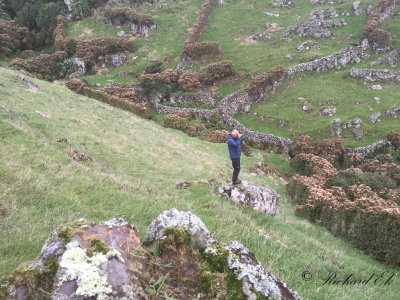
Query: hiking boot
237	181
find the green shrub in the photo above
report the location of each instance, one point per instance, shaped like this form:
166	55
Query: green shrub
297	191
48	13
68	66
70	48
112	49
81	10
300	166
27	16
4	15
156	67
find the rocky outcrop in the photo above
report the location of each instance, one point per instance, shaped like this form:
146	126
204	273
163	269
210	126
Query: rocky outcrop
375	74
261	36
336	127
80	68
282	3
70	4
391	59
117	60
316	28
306	45
342	58
253	195
180	259
358	10
323	14
393	112
375	117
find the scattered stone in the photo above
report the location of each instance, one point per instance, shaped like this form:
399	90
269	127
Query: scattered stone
221	3
261	36
182	185
393	112
250	194
121	34
316	28
323	14
358	10
118	59
330	101
135	57
289	57
349	36
281	124
5	109
357	133
328	111
375	87
305	108
286	40
375	117
377	99
336	127
31	85
356	123
43	114
282	3
271	14
306	46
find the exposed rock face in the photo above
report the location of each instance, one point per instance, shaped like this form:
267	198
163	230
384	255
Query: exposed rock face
261	36
175	218
376	74
342	58
118	59
393	112
70	3
336	127
317	28
84	260
250	194
80	68
391	59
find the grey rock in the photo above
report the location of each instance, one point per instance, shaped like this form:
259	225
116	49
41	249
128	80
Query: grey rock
316	28
391	59
375	87
286	40
358	10
261	36
175	218
182	185
375	117
70	4
121	34
221	3
377	99
357	133
282	3
306	46
271	14
328	111
356	123
393	112
376	74
349	36
305	108
118	59
31	85
336	129
248	269
142	30
80	68
253	195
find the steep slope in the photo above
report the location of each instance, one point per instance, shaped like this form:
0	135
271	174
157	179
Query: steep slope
64	157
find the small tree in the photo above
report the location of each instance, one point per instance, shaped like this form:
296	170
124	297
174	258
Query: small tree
70	48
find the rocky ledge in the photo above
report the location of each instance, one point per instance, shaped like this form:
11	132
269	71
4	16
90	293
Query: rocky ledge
179	260
253	195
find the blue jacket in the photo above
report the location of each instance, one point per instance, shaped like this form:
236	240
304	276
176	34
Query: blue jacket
234	146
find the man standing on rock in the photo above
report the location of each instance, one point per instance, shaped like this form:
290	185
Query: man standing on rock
234	142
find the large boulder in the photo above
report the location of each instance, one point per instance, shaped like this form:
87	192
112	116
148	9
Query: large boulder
85	260
251	194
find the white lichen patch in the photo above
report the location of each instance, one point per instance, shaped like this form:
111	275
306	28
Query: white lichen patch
89	272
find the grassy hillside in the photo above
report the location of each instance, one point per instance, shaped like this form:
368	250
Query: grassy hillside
132	172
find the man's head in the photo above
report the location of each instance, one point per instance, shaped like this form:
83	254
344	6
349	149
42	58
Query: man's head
235	133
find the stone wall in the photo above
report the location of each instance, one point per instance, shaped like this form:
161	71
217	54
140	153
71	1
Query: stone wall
370	149
209	99
191	112
376	74
342	58
258	137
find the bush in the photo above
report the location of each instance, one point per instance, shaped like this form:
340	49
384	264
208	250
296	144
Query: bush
155	67
48	12
216	71
300	166
70	48
189	81
266	81
112	49
68	66
27	16
80	10
4	15
177	121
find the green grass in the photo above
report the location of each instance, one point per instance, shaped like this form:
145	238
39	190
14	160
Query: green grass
132	174
321	87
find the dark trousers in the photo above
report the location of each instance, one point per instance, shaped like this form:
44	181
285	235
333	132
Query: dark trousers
236	168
